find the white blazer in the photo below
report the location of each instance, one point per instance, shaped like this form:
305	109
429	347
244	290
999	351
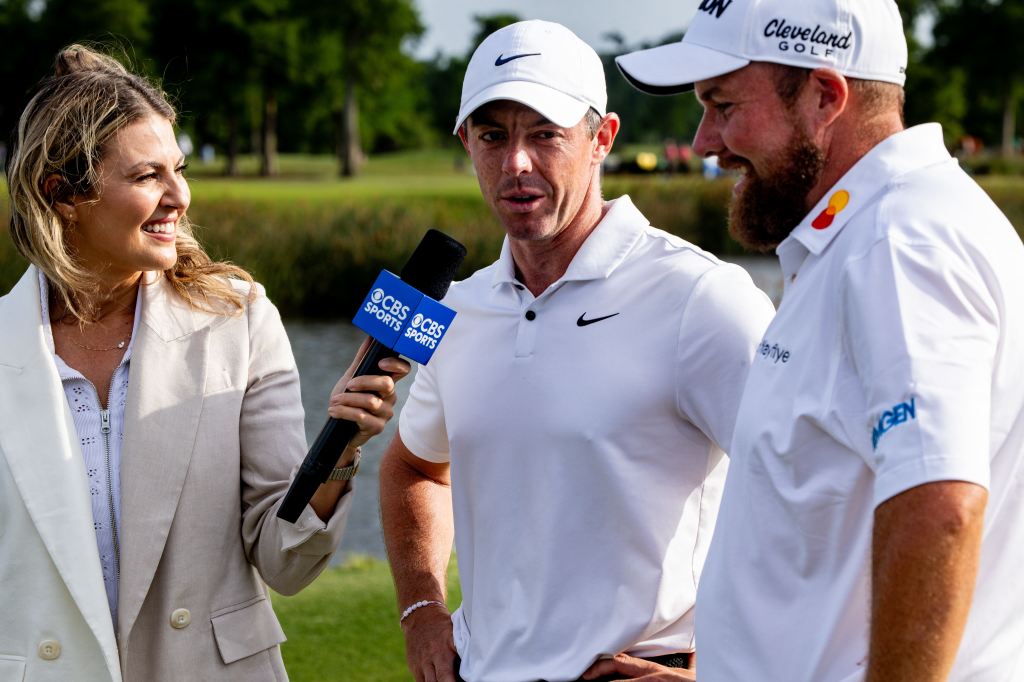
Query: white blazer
213	433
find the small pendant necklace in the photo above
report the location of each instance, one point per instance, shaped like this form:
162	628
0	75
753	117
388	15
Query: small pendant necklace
118	345
67	320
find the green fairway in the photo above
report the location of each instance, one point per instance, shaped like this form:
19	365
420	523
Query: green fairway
344	627
326	190
314	179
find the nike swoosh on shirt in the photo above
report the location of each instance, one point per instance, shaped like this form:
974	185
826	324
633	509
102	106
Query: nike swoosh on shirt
505	60
583	323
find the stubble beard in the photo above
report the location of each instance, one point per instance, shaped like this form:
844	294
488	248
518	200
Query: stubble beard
774	202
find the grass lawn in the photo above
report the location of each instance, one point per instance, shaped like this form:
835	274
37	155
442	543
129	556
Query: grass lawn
344	627
330	190
314	179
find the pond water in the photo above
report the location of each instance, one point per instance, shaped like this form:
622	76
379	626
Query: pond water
323	350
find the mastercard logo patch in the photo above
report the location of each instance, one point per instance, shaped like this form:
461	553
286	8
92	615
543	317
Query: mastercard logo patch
836	204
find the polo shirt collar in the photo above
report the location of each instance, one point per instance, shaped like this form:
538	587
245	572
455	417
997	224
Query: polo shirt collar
604	249
906	151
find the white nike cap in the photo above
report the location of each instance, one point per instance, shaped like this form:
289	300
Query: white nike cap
540	64
858	38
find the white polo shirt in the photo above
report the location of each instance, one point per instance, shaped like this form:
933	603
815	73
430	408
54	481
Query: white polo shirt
896	359
581	426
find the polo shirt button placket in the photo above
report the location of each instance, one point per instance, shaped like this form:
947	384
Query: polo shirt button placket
526	334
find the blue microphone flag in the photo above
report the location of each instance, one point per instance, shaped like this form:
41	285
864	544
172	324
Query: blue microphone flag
402	318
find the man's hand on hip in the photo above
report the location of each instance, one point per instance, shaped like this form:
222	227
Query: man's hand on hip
626	667
429	645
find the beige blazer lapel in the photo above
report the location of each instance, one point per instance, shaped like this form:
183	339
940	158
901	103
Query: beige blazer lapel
38	438
165	399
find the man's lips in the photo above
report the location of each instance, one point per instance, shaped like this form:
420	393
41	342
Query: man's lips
521	201
737	164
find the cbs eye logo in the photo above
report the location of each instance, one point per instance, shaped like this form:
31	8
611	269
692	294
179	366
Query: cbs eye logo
377	295
417	320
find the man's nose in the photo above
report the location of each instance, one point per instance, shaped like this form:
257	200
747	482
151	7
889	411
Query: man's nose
517	160
707	141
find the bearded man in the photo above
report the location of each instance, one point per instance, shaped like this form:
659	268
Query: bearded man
872	525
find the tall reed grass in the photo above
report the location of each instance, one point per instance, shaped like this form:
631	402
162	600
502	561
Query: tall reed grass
317	246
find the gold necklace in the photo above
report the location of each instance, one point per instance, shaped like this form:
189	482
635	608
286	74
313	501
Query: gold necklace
117	346
120	344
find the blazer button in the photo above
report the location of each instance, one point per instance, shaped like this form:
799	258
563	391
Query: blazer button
49	650
180	618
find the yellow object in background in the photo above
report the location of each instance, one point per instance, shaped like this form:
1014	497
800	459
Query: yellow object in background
646	161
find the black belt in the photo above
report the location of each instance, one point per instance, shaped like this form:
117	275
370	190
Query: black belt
680	660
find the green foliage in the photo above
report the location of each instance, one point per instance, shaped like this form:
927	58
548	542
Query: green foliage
647	119
363	43
68	21
318	259
983	39
323	74
486	24
317	242
344	627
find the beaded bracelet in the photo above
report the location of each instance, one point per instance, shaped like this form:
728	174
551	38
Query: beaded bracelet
418	605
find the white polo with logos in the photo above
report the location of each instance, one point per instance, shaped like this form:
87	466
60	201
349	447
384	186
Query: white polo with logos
582	429
896	359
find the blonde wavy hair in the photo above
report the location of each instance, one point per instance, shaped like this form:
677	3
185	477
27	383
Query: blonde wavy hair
63	134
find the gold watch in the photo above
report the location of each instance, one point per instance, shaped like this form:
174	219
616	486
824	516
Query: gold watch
349	472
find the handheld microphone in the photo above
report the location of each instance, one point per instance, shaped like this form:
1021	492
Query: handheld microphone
401	315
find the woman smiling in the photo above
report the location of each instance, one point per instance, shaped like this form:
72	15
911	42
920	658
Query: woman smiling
150	416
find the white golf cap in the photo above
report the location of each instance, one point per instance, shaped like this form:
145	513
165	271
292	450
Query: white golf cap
859	38
540	64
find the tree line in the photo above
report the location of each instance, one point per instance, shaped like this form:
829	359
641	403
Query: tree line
258	76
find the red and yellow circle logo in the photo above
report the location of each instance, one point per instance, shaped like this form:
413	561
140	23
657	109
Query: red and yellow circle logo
836	204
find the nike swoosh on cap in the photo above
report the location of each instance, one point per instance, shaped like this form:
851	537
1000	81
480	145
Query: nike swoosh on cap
583	323
505	60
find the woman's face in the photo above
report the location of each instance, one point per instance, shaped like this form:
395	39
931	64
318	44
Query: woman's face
130	225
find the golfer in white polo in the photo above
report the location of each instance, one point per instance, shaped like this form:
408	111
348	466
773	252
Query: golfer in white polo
574	420
872	526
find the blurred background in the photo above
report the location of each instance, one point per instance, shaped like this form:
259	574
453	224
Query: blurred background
320	150
361	77
319	133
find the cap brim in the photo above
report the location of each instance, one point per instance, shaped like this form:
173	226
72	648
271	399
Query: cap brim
674	68
557	107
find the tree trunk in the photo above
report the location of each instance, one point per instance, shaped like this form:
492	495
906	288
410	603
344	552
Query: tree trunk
1009	120
268	137
231	168
351	153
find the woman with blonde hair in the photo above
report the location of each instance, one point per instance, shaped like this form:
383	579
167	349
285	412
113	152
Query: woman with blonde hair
150	416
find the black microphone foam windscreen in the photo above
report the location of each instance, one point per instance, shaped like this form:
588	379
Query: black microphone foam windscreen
432	266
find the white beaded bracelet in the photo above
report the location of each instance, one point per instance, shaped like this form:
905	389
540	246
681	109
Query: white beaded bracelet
418	605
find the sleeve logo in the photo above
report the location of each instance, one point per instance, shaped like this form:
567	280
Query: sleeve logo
898	414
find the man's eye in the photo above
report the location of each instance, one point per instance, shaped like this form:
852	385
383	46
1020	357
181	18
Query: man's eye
491	136
547	134
723	107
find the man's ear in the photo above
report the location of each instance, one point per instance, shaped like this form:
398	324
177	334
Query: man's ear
462	136
56	188
830	93
605	136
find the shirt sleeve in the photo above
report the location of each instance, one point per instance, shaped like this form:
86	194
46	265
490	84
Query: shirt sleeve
921	329
421	422
725	318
